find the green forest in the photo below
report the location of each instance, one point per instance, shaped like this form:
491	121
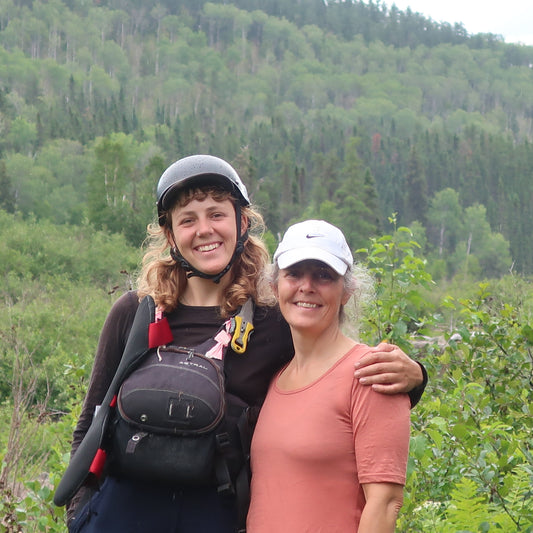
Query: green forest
415	137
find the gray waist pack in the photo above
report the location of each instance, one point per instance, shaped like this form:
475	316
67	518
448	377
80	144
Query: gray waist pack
171	420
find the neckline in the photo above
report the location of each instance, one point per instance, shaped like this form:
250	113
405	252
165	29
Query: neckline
315	381
187	306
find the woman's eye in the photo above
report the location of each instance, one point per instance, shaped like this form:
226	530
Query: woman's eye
325	275
291	273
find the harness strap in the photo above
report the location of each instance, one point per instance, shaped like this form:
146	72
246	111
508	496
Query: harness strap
236	489
242	482
240	327
80	463
236	330
224	484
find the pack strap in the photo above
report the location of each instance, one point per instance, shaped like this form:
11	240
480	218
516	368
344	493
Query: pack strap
242	482
235	490
225	486
242	327
80	463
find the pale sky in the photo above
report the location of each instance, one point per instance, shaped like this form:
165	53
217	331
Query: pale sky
513	19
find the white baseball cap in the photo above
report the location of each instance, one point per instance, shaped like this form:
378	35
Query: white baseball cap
314	239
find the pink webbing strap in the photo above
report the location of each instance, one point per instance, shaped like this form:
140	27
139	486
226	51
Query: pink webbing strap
222	339
159	333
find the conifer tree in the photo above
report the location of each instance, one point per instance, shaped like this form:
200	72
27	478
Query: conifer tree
416	201
7	195
356	199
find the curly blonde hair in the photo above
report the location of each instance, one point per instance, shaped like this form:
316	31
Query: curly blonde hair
164	279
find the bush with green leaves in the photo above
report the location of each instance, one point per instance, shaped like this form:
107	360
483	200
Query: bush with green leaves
58	283
471	454
400	309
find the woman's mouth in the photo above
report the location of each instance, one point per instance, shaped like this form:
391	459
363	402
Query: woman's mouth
207	247
307	305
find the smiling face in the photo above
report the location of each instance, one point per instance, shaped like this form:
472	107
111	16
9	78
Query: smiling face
205	233
310	296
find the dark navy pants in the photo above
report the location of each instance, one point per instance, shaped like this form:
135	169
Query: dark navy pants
122	506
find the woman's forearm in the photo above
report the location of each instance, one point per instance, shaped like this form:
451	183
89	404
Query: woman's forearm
383	503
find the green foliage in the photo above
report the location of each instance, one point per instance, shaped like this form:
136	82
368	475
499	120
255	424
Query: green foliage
271	242
31	250
55	291
465	238
472	453
400	277
7	196
57	286
119	196
468	511
43	458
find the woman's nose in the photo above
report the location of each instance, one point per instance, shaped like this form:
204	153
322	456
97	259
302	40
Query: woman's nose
203	227
306	283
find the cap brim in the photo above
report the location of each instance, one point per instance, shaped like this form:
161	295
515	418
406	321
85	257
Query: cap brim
291	257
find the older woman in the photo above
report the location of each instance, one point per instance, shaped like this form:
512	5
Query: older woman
328	454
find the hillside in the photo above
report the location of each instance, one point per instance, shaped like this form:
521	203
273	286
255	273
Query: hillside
350	111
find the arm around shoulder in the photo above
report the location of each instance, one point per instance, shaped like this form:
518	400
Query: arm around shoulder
389	370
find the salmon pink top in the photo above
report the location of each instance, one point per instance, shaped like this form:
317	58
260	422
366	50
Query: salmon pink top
313	448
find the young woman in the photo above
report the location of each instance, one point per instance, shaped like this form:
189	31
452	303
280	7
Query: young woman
202	265
328	454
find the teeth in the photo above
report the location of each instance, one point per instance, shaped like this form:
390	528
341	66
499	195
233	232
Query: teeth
306	305
207	247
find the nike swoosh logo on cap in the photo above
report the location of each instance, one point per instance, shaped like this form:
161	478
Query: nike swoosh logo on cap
313	235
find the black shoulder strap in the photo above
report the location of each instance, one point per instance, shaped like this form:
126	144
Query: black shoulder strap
80	464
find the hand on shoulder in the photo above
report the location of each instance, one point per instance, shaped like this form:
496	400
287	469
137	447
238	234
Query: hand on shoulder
389	370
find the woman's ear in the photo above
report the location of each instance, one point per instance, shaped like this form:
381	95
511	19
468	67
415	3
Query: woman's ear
346	295
169	235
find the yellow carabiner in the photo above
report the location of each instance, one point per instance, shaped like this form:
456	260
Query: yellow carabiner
241	335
